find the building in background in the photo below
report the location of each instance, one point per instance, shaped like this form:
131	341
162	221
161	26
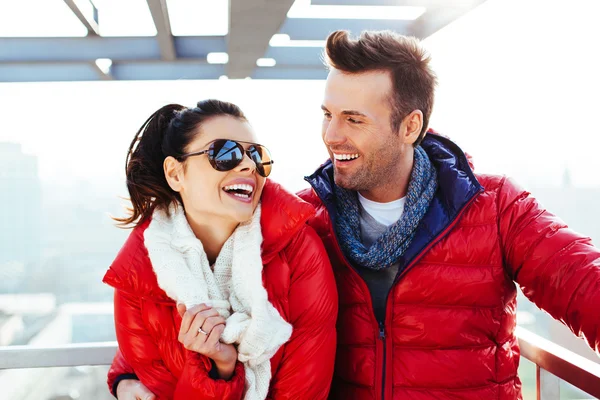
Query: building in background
20	207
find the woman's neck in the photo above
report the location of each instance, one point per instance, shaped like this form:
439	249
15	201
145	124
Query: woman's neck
212	232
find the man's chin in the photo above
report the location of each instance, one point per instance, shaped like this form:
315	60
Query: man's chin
344	182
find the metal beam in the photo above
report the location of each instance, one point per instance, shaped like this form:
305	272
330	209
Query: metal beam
199	46
128	70
165	70
101	74
48	72
297	56
148	70
252	23
92	48
87	13
160	15
290	72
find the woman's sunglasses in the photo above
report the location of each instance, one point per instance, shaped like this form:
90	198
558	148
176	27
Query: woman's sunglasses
226	154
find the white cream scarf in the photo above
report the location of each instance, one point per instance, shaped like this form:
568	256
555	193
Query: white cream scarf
234	288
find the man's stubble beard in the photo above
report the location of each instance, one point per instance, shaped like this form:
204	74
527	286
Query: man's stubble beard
368	177
371	175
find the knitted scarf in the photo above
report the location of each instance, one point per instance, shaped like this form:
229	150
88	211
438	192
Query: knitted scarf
233	287
390	246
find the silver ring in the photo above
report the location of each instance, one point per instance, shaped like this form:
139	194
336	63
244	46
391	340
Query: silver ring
201	331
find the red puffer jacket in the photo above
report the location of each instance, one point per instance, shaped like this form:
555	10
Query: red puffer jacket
450	316
299	283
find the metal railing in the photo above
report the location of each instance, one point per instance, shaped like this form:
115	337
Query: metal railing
554	363
68	355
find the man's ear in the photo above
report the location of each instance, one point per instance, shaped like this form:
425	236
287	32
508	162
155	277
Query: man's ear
410	128
173	173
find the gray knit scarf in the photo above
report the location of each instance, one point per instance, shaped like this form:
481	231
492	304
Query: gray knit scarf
390	246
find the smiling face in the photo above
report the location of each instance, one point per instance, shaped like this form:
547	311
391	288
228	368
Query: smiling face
356	129
208	194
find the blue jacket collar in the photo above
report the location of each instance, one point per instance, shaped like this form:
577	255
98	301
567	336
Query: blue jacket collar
457	188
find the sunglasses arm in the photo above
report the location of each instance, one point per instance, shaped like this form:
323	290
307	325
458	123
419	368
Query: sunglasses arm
197	153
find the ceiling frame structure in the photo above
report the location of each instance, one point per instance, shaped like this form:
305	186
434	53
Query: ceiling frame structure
252	24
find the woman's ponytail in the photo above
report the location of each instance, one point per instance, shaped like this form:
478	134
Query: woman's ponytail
146	180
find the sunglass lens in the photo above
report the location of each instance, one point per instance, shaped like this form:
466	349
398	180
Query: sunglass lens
225	155
262	158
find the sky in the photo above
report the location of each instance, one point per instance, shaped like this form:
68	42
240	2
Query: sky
518	89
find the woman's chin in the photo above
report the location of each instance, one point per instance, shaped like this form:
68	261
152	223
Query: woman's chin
238	211
241	216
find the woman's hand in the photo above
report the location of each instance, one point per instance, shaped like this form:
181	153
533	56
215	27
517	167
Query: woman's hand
132	389
201	329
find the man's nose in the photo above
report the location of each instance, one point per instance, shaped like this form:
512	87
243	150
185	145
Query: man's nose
333	134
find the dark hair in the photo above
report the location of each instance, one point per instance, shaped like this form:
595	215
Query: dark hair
413	79
166	133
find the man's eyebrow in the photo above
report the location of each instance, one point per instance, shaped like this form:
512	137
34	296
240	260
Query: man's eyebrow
353	112
347	112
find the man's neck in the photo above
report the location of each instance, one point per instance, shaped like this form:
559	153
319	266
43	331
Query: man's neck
384	194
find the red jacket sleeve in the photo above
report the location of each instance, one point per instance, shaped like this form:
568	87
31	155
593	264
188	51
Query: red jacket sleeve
142	355
306	368
557	268
118	371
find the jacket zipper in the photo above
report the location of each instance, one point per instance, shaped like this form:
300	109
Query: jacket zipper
365	289
408	267
381	324
382	338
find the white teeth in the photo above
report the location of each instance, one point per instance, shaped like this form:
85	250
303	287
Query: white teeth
247	188
345	156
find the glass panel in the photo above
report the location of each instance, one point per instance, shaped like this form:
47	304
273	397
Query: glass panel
570	392
125	18
527	373
38	18
199	17
65	383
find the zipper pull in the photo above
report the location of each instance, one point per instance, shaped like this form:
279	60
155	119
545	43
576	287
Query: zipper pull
381	330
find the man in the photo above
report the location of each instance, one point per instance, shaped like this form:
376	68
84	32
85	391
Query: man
426	253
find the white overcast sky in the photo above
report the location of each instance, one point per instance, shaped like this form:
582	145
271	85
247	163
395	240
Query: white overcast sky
519	89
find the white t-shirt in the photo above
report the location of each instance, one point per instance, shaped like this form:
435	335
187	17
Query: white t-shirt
384	213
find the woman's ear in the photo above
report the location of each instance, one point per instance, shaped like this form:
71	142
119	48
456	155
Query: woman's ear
173	173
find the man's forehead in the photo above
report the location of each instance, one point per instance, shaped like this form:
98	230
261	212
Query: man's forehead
345	91
382	78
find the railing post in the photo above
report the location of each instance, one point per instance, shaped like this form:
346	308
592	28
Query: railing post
548	385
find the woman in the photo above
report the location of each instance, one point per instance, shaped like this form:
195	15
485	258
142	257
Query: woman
221	290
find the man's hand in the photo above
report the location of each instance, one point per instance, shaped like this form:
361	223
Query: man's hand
132	389
201	329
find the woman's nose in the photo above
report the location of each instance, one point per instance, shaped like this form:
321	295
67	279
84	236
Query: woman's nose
247	163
